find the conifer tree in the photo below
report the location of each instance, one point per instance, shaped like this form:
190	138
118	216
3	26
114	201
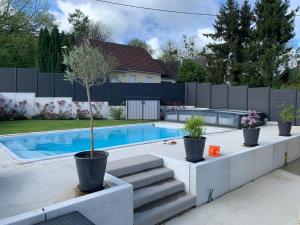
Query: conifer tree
43	50
55	61
274	28
225	51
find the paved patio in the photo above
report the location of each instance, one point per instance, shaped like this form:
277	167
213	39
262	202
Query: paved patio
29	186
272	199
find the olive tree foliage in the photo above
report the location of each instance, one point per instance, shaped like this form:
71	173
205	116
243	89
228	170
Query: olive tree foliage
88	66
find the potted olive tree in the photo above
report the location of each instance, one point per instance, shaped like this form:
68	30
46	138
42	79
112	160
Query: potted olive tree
250	131
89	66
287	116
194	142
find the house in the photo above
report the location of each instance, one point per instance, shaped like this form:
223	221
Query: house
133	64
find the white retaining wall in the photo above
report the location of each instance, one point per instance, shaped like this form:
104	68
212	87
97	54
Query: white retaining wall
110	206
32	100
229	172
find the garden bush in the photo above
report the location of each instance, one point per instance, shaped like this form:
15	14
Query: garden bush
116	113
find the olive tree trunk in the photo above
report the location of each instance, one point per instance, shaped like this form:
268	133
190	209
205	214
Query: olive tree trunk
91	119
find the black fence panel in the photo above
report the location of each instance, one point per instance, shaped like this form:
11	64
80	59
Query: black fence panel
8	79
219	96
27	80
259	99
280	98
238	97
79	93
159	90
62	87
298	107
178	93
203	95
100	93
45	85
120	91
191	92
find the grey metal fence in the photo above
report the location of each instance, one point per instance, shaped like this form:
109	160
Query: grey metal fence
280	98
263	99
219	96
203	99
54	85
259	99
238	97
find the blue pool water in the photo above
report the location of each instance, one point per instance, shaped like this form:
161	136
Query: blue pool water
35	146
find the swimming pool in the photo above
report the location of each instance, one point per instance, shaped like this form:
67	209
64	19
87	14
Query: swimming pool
50	144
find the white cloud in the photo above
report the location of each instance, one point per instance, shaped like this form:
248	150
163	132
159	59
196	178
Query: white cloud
154	44
155	27
202	39
127	23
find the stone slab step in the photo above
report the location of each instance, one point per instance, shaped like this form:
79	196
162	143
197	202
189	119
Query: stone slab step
157	191
123	167
143	179
163	209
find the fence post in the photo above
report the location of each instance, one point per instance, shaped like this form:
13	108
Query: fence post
196	93
171	93
269	105
53	84
227	92
16	79
210	93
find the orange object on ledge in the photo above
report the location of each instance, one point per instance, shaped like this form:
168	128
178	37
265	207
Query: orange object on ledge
214	150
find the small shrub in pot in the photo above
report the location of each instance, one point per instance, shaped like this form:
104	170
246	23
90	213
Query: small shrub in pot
194	142
287	116
250	131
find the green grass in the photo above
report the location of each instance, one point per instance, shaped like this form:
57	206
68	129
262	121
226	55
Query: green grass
24	126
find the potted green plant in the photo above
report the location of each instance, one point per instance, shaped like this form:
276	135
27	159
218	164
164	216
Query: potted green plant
250	130
287	116
194	142
89	66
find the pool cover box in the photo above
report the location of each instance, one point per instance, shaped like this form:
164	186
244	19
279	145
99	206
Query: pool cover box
217	117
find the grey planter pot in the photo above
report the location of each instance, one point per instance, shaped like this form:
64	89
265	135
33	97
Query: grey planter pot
194	149
284	128
251	136
91	170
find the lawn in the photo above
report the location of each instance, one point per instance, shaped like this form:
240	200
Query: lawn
24	126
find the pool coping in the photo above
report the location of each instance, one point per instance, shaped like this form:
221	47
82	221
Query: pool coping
23	161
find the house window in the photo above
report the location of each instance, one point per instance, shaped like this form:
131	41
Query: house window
132	79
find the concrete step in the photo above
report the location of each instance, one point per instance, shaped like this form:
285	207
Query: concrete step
163	209
123	167
145	178
157	191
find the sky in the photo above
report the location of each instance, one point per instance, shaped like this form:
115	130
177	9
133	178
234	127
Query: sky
156	28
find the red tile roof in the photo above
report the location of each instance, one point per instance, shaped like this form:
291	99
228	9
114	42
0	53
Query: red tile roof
130	58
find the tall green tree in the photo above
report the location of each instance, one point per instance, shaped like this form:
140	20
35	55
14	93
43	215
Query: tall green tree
43	51
274	29
140	43
170	56
20	22
192	71
55	58
224	53
18	49
80	23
